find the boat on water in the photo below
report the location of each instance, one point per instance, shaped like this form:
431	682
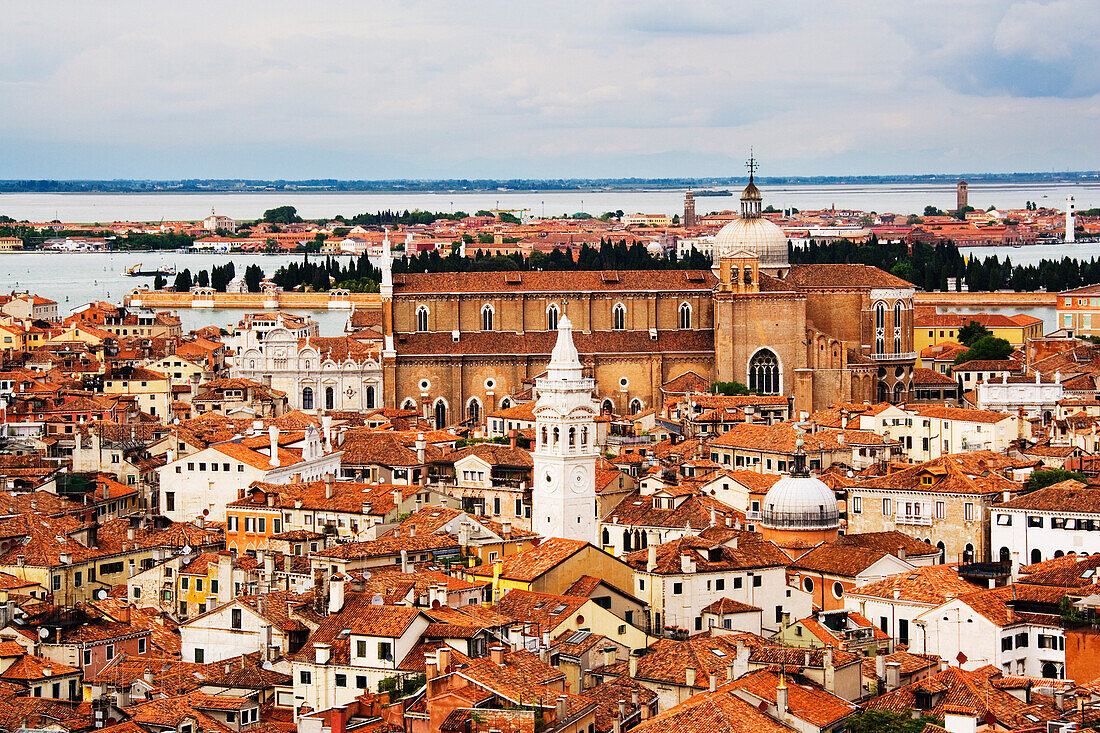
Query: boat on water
136	271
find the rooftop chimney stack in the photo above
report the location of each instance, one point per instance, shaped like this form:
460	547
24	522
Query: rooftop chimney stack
273	433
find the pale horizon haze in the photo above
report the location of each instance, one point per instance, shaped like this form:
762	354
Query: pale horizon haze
372	90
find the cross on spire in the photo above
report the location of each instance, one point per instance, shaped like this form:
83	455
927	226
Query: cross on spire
751	164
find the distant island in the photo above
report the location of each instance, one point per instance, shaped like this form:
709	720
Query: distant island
327	185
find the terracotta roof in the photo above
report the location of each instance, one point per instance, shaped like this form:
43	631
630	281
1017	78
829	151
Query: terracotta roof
724	606
530	564
689	381
541	343
746	550
806	700
631	281
824	276
492	453
780	438
926	584
1067	497
721	712
389	545
694	512
547	610
930	378
958	473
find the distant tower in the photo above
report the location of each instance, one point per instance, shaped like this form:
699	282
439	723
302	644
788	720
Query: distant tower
689	209
1071	220
961	196
563	494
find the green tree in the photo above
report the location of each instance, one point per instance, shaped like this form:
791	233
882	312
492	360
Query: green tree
904	270
252	277
932	211
866	221
159	282
985	349
1045	477
183	281
885	721
729	388
203	279
913	219
971	332
282	215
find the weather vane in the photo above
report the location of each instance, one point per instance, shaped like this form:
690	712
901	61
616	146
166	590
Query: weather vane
751	164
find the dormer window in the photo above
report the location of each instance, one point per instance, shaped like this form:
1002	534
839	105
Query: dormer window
926	480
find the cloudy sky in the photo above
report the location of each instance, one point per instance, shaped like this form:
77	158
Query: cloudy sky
530	89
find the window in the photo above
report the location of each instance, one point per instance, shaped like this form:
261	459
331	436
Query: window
641	584
487	317
764	372
78	579
685	315
422	318
385	651
941	510
305	677
341	680
1021	640
968	512
231	522
473	411
87	657
170	499
330	398
857	504
185	582
235	620
198	584
552	318
757	581
440	414
200	656
886	507
880	328
618	317
56	582
720	584
361	681
360	648
737	583
897	327
677	589
1006	643
262	527
307	398
141	646
1033	521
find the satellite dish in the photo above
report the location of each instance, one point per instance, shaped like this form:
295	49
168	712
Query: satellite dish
186	549
43	633
100	594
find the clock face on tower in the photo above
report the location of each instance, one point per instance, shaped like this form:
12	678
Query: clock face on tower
578	480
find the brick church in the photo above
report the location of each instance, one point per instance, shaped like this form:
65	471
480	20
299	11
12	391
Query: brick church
460	344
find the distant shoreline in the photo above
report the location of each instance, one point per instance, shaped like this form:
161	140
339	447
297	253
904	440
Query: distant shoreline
506	186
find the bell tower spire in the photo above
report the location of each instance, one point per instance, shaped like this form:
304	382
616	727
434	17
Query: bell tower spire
751	200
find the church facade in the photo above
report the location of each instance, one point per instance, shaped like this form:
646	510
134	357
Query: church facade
457	344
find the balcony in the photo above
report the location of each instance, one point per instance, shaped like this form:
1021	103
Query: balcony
751	516
920	520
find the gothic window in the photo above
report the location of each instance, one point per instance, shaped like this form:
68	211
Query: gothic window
370	397
473	411
440	414
897	327
605	536
635	406
487	318
422	318
898	390
408	404
505	403
618	317
685	315
626	540
764	372
608	406
880	328
330	398
552	318
307	398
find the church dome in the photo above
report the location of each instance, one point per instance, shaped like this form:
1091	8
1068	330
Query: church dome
800	503
757	235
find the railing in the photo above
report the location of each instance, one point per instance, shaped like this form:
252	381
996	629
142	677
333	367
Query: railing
901	356
629	439
752	516
924	520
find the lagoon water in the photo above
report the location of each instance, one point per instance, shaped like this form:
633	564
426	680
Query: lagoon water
78	278
902	198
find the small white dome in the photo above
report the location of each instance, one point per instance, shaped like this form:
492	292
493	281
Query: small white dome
800	502
757	235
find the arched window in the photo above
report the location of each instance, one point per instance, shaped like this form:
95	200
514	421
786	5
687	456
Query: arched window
685	315
748	276
898	391
584	437
422	318
618	317
605	537
440	414
1006	555
473	411
408	404
307	398
370	397
487	317
880	328
572	439
764	372
897	327
557	436
626	540
330	398
506	403
635	406
607	406
544	441
968	553
1036	555
552	318
1058	553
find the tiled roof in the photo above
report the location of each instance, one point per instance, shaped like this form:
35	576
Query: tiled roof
910	663
359	616
689	381
926	584
806	700
29	668
608	695
631	281
814	277
530	564
389	545
1069	496
930	378
725	606
694	512
780	438
958	473
541	343
962	414
751	551
492	453
547	610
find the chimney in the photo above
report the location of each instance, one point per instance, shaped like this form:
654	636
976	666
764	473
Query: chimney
506	529
421	448
326	427
405	561
960	720
651	557
893	676
322	652
880	666
397	499
443	654
689	676
123	615
781	698
712	682
496	653
147	675
513	435
330	485
633	665
335	594
273	433
901	553
431	667
559	708
608	655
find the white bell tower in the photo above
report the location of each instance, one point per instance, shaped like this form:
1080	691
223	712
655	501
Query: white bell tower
563	494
